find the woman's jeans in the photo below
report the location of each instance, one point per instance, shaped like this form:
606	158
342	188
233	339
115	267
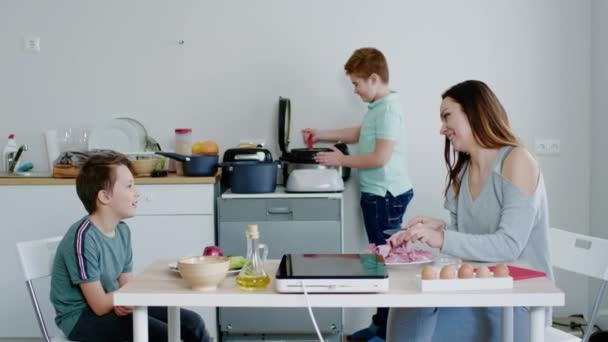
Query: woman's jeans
380	214
110	327
454	324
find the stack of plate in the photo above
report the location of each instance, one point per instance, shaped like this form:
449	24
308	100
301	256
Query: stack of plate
123	135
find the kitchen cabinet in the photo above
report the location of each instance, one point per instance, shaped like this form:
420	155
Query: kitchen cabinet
173	220
288	223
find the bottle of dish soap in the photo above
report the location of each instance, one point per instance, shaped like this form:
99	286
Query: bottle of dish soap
252	276
10	150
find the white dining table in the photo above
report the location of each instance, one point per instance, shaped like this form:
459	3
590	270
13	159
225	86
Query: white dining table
157	285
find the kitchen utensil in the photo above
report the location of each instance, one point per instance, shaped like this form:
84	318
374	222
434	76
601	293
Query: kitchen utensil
302	158
241	155
252	177
194	165
309	142
314	180
203	273
149	143
144	167
117	135
52	146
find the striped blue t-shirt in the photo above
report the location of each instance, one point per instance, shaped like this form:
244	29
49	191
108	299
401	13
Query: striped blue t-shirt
85	255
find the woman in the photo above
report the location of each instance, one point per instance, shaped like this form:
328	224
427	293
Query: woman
496	197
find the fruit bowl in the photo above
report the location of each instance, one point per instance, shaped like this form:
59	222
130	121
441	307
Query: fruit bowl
203	273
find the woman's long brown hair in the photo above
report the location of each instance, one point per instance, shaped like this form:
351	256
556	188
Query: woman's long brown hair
489	124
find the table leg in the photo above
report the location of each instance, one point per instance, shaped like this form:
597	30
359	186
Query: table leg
174	324
537	324
140	324
507	324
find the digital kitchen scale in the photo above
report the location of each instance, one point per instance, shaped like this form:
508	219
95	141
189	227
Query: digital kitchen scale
332	273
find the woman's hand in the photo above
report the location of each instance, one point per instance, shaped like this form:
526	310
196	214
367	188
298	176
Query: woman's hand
426	221
422	228
432	237
310	133
333	158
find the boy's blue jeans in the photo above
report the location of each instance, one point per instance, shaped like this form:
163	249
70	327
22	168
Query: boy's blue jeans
380	214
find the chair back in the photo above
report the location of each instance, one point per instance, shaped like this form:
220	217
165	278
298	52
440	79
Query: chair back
37	262
579	253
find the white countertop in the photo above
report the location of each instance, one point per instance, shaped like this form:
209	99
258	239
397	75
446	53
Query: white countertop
280	193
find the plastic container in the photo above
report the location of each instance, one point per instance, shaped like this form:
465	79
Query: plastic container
9	148
183	145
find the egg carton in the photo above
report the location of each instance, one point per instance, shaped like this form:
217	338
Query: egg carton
465	284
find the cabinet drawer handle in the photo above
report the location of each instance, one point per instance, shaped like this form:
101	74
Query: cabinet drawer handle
280	211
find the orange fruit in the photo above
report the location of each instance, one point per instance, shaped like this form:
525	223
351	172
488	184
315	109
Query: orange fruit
208	147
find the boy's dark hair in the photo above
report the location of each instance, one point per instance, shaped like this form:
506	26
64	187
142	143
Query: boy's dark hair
366	61
98	173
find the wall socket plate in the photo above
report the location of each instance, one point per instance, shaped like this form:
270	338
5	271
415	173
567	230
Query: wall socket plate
547	147
31	43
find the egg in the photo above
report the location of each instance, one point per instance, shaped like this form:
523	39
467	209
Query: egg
428	273
447	272
501	271
465	271
483	272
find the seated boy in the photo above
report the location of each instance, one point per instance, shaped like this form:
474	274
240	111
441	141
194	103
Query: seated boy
94	259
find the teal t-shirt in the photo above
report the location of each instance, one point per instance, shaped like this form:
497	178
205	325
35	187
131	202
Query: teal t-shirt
84	255
384	120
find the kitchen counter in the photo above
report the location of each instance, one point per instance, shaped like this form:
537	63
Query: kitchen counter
171	179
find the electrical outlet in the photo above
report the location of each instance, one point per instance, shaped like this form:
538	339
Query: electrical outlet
31	44
547	147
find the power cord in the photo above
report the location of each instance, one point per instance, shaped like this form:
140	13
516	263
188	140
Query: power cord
577	322
312	315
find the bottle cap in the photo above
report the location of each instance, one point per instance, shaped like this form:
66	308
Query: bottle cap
183	130
252	231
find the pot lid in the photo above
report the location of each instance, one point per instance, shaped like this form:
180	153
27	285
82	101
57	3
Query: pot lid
284	123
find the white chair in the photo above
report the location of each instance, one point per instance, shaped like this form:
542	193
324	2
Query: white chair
584	255
37	263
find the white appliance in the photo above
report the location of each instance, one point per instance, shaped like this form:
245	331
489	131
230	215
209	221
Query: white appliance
314	180
332	273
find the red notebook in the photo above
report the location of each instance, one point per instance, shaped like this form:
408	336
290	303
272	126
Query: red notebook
519	273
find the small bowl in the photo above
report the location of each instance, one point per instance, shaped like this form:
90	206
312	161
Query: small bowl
144	167
203	273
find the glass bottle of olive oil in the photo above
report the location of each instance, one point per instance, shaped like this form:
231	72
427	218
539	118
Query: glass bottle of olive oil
252	276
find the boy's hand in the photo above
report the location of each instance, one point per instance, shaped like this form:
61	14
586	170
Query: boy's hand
333	158
121	311
310	133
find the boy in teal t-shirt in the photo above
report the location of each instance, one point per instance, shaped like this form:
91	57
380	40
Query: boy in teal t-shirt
386	189
94	259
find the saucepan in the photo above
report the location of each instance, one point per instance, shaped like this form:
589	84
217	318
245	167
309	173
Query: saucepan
252	177
195	165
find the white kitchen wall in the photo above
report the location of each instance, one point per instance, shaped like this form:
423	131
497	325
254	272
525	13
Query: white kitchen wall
101	60
599	122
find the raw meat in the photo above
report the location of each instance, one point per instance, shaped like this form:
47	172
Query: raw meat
399	254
